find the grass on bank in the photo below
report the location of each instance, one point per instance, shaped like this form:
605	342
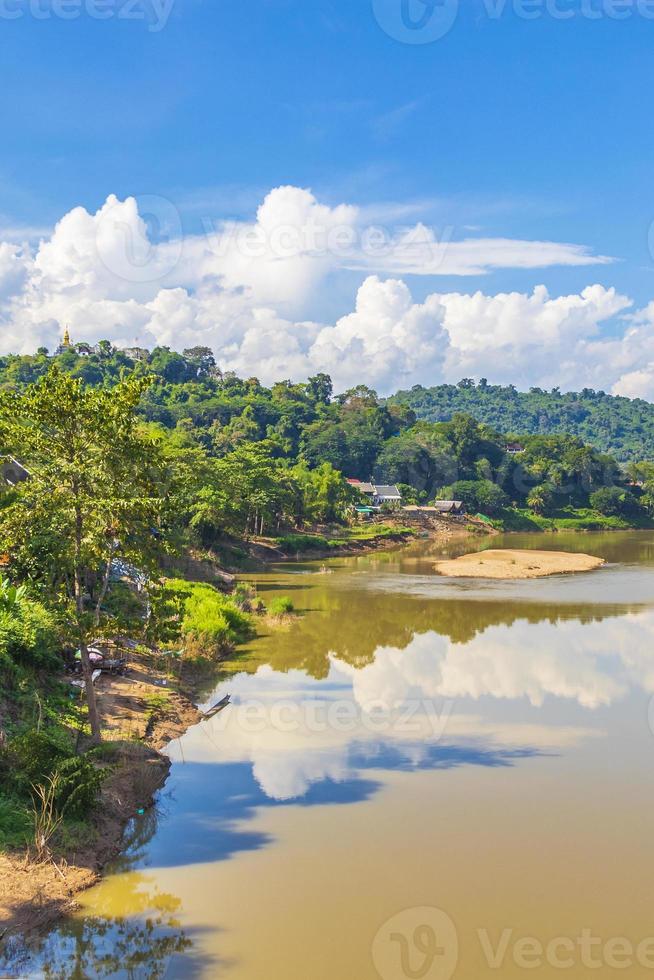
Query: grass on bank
292	544
566	519
41	716
281	606
211	622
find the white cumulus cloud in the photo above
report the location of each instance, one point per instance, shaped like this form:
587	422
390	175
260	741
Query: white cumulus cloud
256	292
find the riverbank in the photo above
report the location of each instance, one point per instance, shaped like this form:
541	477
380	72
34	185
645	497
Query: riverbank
363	538
340	542
522	519
511	563
141	713
230	556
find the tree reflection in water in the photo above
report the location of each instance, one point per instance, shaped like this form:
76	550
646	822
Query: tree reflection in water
139	943
100	947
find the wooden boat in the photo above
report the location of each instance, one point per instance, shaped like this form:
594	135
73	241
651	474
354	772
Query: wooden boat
220	706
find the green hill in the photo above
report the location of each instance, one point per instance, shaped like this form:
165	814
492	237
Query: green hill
623	427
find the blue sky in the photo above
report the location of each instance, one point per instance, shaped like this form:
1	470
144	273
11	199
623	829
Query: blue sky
528	129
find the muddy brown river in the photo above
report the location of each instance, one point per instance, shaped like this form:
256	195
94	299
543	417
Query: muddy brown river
418	778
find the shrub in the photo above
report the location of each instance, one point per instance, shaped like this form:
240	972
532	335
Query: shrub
281	606
38	753
46	758
47	818
211	621
15	823
291	543
613	501
27	633
11	595
78	786
244	597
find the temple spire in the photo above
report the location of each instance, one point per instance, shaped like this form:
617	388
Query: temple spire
65	344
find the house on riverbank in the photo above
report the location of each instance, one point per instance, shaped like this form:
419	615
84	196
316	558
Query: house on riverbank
378	494
449	506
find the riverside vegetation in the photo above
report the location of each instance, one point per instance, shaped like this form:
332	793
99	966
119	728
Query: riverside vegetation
134	463
614	424
260	459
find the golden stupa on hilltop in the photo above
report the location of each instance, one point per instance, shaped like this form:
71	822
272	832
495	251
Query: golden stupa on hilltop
65	344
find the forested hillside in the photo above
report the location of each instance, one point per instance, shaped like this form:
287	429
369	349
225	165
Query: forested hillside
623	427
251	459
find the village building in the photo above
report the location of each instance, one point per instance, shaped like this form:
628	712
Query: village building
449	506
378	494
386	495
365	488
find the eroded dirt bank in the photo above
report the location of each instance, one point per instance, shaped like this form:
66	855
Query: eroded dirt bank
141	713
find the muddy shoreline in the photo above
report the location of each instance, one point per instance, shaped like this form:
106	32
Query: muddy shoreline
33	896
441	529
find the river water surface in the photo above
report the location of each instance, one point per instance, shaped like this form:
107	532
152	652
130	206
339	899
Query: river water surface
417	778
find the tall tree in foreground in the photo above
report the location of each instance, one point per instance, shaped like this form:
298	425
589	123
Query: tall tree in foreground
94	495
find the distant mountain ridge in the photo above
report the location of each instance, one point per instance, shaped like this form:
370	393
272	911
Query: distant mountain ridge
621	426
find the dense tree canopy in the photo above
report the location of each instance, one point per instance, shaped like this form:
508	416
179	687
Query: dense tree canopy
248	458
95	493
623	427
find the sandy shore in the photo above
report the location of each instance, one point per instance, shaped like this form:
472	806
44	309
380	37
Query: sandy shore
517	564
